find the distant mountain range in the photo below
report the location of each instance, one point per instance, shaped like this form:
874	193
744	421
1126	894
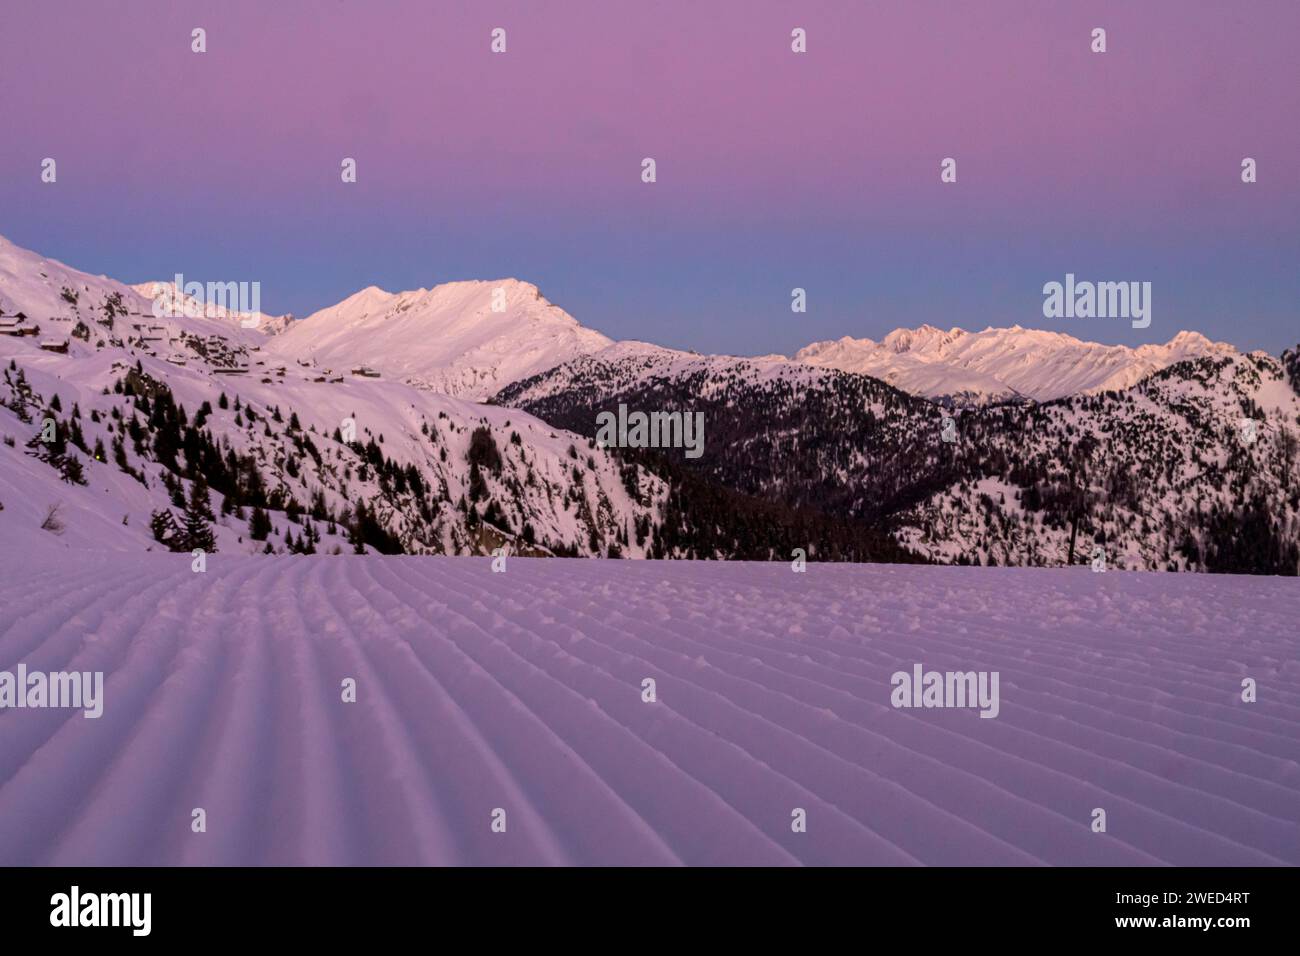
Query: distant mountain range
999	365
472	339
462	418
1193	468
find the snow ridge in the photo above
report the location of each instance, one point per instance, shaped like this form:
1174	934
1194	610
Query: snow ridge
1004	364
176	302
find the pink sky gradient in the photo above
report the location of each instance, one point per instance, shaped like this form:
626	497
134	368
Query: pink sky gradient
822	167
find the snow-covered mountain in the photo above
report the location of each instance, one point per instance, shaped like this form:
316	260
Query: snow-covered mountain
140	407
1194	467
629	365
347	458
998	365
474	338
111	418
468	339
954	367
46	290
176	302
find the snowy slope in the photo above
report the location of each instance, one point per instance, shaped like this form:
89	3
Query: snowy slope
911	372
176	302
1167	479
1004	364
279	441
565	499
523	691
448	338
45	288
629	365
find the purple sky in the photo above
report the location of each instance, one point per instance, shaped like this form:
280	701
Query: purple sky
775	170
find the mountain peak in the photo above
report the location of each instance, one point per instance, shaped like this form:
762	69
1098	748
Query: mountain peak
467	337
493	296
1185	339
923	336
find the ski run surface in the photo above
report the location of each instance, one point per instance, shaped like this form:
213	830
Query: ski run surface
522	691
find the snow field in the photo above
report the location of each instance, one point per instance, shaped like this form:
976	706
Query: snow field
523	691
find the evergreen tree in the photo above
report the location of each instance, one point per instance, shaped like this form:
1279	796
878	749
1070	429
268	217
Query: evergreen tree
119	454
259	525
59	446
198	519
76	437
71	471
483	450
477	486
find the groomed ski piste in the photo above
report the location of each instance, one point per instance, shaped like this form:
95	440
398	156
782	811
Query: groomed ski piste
502	718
